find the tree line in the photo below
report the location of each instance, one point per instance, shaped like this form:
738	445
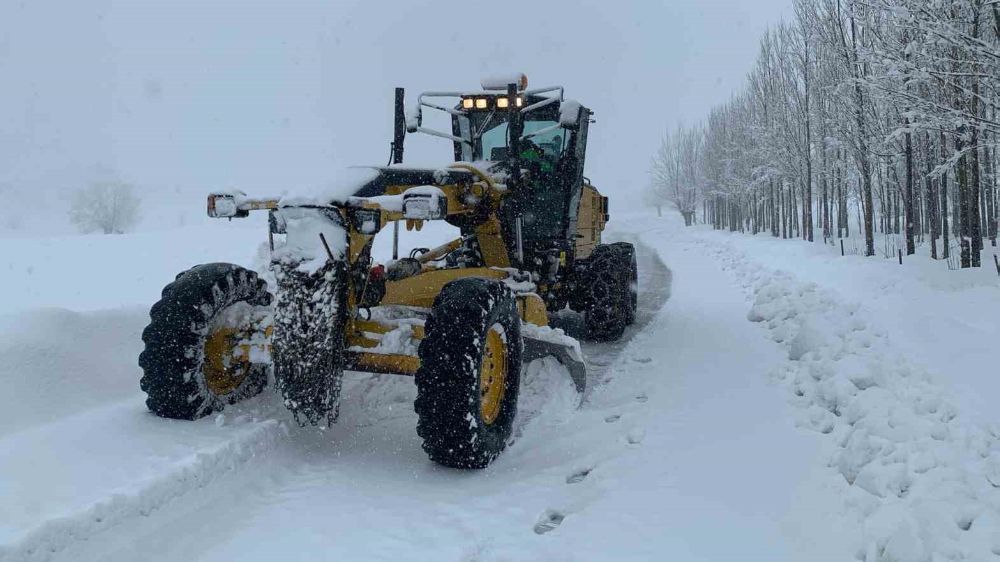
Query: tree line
874	115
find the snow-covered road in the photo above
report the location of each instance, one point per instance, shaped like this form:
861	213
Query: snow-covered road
709	434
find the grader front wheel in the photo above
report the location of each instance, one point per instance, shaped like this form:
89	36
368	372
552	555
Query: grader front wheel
469	376
193	363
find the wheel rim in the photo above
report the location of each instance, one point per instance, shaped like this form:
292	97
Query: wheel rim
493	374
224	371
600	291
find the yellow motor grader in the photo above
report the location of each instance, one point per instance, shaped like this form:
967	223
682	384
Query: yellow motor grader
460	318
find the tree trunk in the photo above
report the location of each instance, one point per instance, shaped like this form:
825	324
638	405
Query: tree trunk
945	248
990	193
964	205
932	205
863	153
784	213
825	209
975	224
908	197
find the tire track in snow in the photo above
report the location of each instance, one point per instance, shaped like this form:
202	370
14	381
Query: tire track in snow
654	292
604	361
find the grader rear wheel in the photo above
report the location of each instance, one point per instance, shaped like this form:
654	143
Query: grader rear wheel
607	291
469	376
628	260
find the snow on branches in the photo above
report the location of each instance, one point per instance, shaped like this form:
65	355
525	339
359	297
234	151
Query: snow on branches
860	113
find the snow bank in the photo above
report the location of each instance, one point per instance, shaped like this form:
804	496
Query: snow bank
72	480
101	272
57	362
920	478
79	453
943	320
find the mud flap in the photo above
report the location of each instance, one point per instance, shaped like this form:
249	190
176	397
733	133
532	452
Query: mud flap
568	355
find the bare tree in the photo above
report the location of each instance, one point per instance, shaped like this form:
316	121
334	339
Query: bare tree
886	106
675	172
110	207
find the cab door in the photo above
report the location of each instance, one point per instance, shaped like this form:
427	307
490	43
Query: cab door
592	216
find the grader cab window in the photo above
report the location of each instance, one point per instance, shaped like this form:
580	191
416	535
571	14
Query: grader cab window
551	152
492	144
548	196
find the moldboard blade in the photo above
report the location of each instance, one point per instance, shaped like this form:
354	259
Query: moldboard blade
568	355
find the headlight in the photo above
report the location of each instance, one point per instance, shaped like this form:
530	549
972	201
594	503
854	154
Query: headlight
504	103
424	203
223	205
486	102
367	221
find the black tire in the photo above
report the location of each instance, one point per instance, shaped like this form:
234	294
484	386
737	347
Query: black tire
173	360
604	293
448	405
629	261
308	340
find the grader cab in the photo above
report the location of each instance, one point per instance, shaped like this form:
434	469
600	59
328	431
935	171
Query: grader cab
461	318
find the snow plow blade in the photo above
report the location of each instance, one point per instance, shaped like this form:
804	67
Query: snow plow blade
566	353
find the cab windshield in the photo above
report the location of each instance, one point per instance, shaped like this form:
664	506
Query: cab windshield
492	136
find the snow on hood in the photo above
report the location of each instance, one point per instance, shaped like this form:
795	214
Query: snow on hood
346	182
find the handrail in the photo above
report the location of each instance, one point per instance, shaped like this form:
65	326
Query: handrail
421	102
434	133
541	131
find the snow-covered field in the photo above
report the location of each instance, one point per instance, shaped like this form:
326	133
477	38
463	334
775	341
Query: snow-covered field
775	401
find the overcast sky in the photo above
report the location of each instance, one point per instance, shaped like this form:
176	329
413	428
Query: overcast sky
180	97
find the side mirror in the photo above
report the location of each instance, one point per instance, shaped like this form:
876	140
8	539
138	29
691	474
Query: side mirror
569	115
